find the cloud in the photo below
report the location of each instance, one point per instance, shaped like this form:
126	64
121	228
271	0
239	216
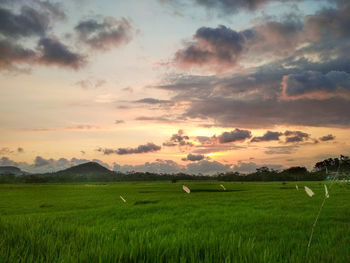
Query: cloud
258	113
313	84
170	167
39	161
50	52
207	167
5	150
329	22
53	9
178	139
152	101
29	22
327	138
193	157
12	54
222	48
213	46
42	165
146	148
159	167
224	7
296	136
281	149
250	167
232	6
268	136
104	35
234	136
91	83
20	150
214	148
203	139
56	53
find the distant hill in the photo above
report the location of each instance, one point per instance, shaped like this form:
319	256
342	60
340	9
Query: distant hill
86	169
11	170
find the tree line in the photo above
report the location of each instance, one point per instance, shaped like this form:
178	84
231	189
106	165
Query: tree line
320	172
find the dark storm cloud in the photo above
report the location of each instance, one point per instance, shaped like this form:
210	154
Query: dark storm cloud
323	34
296	136
104	35
234	136
267	113
28	22
56	53
33	20
315	82
219	45
215	98
329	22
146	148
223	48
268	136
327	138
193	157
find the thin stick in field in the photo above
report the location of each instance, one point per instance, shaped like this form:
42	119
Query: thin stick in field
321	207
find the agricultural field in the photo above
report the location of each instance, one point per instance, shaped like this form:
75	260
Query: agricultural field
159	222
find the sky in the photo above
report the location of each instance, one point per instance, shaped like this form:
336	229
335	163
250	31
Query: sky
167	86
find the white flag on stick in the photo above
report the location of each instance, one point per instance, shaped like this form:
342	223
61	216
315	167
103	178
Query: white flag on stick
186	189
326	191
309	191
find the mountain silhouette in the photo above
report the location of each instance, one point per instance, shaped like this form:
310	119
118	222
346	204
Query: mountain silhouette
11	170
86	169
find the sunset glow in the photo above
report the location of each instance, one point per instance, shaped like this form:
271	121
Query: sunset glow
193	85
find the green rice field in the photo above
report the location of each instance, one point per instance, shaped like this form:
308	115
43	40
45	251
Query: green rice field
159	222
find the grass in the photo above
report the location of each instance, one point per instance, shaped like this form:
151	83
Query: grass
250	222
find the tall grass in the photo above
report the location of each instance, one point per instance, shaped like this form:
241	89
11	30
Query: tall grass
249	222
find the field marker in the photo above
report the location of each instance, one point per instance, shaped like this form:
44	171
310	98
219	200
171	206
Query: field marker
309	191
186	189
297	187
122	199
326	191
321	207
223	187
